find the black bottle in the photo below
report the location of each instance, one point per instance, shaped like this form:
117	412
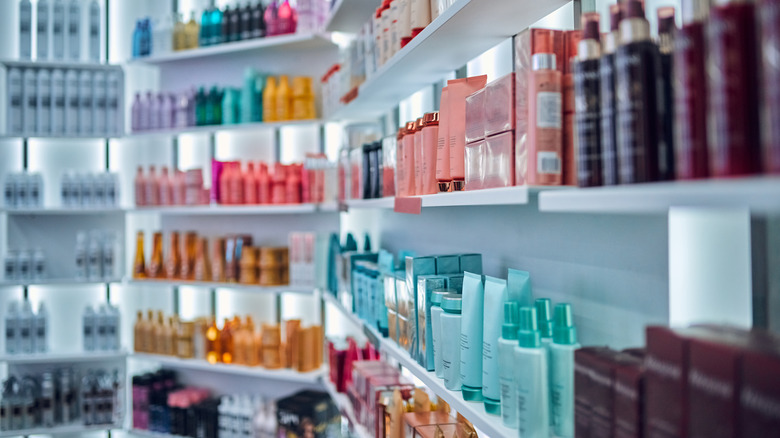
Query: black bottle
608	109
666	30
586	103
235	20
636	85
258	21
246	22
227	14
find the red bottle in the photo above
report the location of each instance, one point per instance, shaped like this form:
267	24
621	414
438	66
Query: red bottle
732	64
140	187
166	194
250	184
293	182
770	47
236	181
278	184
224	185
263	185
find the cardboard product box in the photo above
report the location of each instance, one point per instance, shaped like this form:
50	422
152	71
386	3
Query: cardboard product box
628	397
666	383
759	408
584	362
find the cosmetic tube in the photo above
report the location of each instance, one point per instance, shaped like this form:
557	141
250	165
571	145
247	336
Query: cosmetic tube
562	371
408	160
666	32
531	379
586	92
770	74
545	114
732	86
519	287
471	337
458	90
442	146
506	364
418	156
451	304
608	103
426	284
495	297
430	138
690	93
636	87
436	312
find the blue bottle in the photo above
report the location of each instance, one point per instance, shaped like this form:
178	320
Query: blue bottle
205	28
216	26
137	39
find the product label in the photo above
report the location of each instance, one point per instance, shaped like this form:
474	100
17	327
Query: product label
690	102
608	134
548	162
549	110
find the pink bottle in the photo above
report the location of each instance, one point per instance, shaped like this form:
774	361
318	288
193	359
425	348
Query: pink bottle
250	184
271	19
286	19
224	184
263	185
293	184
178	188
418	157
166	188
152	188
278	184
140	187
307	181
408	161
236	181
430	140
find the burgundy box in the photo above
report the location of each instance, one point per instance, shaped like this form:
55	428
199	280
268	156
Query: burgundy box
666	384
602	377
584	359
759	411
628	398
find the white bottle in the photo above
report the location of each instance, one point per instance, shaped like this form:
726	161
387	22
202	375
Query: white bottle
81	255
57	102
65	184
99	104
270	419
9	191
30	102
12	328
84	186
111	189
25	29
34	190
38	265
44	102
75	189
71	103
531	378
246	417
88	329
74	30
14	105
10	268
112	103
94	31
25	328
258	418
108	254
24	265
41	330
223	423
58	30
101	323
42	44
20	187
98	190
114	340
95	257
85	108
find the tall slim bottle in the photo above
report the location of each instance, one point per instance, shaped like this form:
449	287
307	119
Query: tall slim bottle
732	83
42	30
562	371
545	115
216	26
94	31
205	28
636	78
608	102
283	100
58	30
770	74
74	30
258	20
155	269
587	103
25	29
173	261
139	266
666	32
244	21
531	379
690	92
506	360
269	100
227	18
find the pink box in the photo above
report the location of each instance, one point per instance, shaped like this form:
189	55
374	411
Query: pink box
475	164
499	161
475	116
500	105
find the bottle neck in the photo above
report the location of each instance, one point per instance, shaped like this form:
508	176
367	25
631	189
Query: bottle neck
634	30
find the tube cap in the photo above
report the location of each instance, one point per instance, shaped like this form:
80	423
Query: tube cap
510	326
452	303
528	336
472	393
544	316
564	331
492	407
431	119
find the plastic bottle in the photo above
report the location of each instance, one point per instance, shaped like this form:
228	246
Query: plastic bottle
506	360
101	325
245	21
249	102
204	38
179	34
71	103
34	190
258	20
229	115
15	123
81	255
286	21
228	16
94	31
191	33
271	19
95	256
42	30
25	29
25	328
269	100
108	255
531	378
24	264
216	26
85	107
30	102
562	371
112	104
74	30
99	100
12	328
38	265
283	100
166	110
58	30
200	107
41	329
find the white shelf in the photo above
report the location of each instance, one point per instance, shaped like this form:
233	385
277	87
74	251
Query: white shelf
386	202
464	31
60	358
210	129
232	210
303	290
235	370
28	63
350	15
517	195
59	136
60	211
58	282
151	434
345	407
760	194
72	429
286	42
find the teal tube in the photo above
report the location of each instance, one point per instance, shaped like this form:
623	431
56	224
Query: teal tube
471	337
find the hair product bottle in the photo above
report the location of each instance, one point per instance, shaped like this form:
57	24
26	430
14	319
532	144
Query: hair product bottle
545	115
587	103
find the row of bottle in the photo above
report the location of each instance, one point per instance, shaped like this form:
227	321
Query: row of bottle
58	30
179	188
61	397
26	331
96	256
101	328
24	265
23	190
261	184
67	102
236	342
89	190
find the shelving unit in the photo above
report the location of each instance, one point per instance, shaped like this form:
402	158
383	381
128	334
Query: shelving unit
232	210
58	358
211	129
58	211
72	429
350	15
150	434
281	42
58	282
517	195
465	30
285	375
302	290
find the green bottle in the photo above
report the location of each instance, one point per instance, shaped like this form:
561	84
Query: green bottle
229	114
257	115
201	102
248	102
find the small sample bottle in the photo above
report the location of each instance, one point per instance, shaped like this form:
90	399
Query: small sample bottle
562	371
531	378
506	360
587	98
545	114
139	265
451	304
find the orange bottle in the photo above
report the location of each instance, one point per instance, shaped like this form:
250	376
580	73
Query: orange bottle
139	266
226	341
283	100
201	269
250	353
188	256
138	333
173	261
224	184
269	100
236	184
258	347
213	350
160	335
155	269
218	260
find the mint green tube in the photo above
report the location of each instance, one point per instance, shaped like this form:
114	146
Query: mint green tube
493	318
471	337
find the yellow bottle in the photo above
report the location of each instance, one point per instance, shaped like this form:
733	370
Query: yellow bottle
148	332
213	351
298	98
139	267
283	100
179	34
191	31
269	100
160	335
226	341
311	110
172	332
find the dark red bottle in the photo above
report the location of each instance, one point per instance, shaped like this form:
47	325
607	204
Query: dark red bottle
770	73
636	86
586	97
608	104
732	67
690	93
666	30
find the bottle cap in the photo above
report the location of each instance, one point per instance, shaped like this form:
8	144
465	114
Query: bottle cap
452	303
418	124
590	26
665	20
633	9
564	331
438	295
544	316
431	119
510	326
528	336
410	128
472	393
543	41
492	407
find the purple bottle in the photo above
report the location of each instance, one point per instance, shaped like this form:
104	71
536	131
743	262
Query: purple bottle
137	111
172	109
191	107
271	19
165	111
146	114
154	111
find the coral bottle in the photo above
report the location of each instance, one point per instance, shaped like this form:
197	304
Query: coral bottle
545	114
263	185
140	187
250	184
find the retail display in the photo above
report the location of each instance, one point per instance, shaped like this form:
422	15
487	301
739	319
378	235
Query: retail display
26	332
96	255
101	328
60	30
23	190
62	397
24	265
89	190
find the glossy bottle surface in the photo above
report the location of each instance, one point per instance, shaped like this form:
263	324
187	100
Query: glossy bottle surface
588	123
139	265
690	96
770	47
